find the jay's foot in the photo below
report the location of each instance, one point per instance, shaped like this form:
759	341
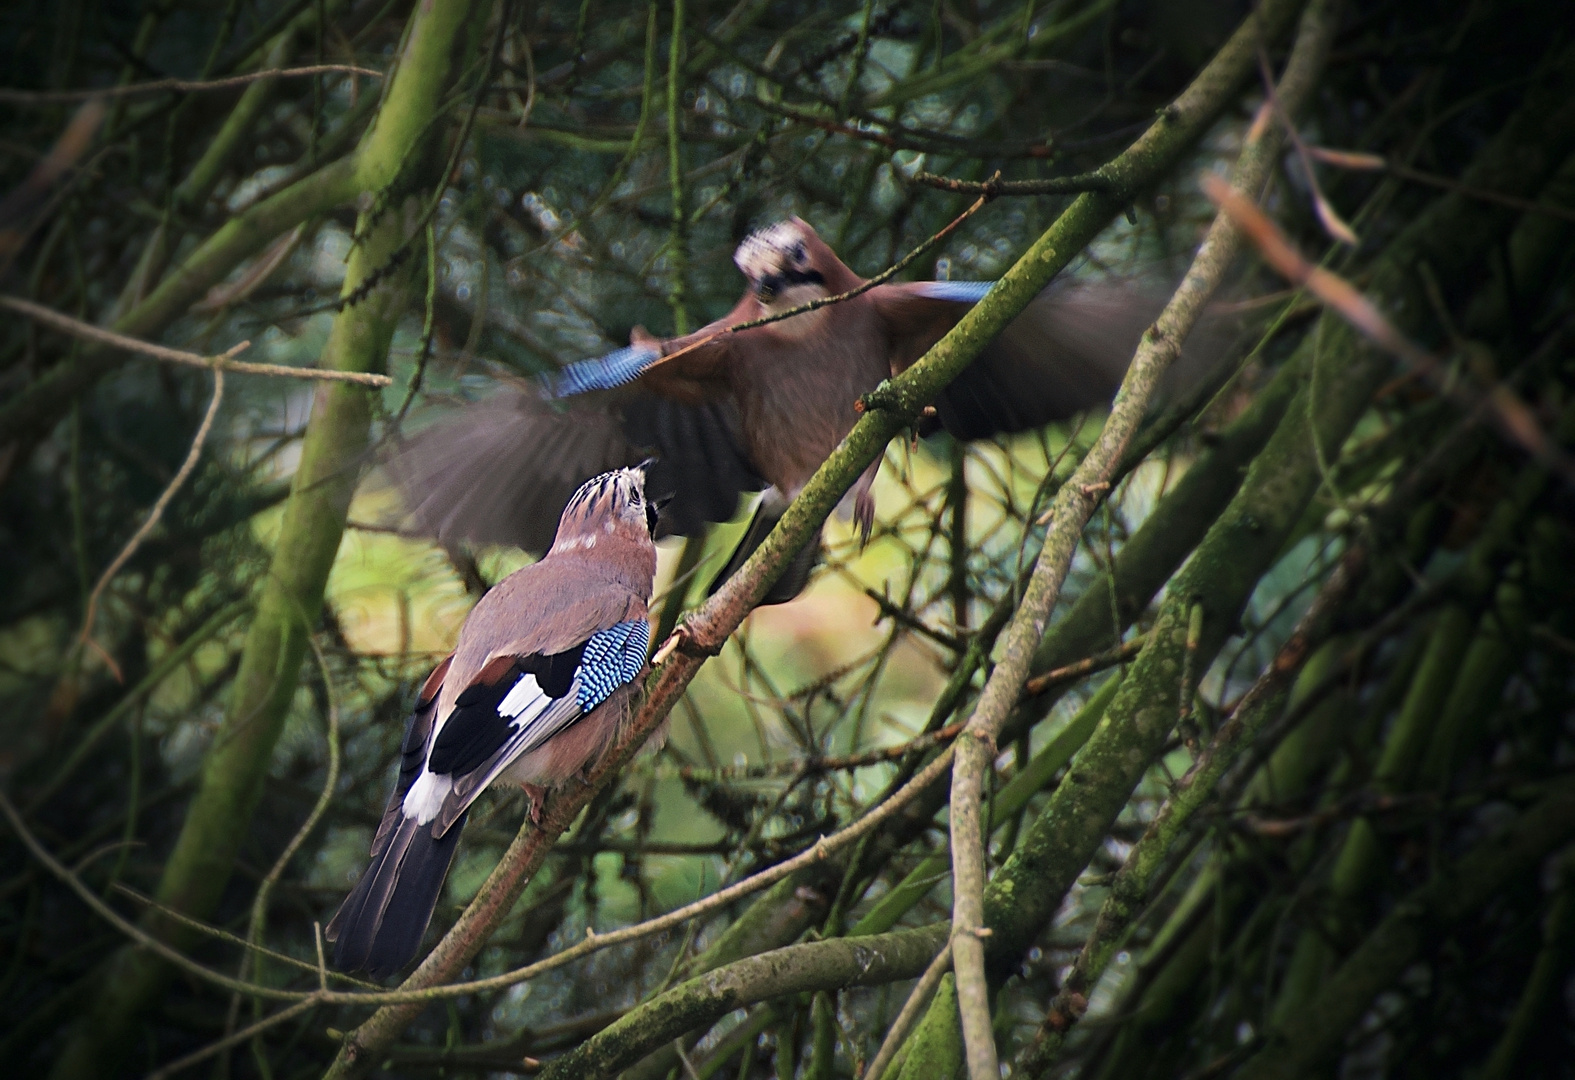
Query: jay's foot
538	801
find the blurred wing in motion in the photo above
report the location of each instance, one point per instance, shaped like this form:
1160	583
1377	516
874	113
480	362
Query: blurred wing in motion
1066	351
500	471
700	459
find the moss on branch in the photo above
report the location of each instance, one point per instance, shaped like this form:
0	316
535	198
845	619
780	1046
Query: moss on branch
1300	1042
219	816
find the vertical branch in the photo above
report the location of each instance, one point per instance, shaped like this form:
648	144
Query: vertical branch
957	503
219	815
1069	514
678	243
861	48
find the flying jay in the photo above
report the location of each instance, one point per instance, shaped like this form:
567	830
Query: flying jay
732	412
534	691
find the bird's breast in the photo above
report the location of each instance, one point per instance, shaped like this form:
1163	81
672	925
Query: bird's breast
796	392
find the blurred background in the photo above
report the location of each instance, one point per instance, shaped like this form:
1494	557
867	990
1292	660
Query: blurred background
589	167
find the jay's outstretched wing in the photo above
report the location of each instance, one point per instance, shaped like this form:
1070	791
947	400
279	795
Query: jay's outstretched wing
514	706
1066	351
499	471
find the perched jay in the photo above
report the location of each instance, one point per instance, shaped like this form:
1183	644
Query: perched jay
534	691
764	407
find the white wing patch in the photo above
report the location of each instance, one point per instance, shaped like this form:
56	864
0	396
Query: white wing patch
521	697
527	707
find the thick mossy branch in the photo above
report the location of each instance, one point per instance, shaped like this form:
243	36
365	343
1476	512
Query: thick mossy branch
899	399
824	965
1251	532
219	816
1301	1042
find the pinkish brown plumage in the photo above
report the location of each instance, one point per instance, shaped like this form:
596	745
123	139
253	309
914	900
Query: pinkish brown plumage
536	688
763	407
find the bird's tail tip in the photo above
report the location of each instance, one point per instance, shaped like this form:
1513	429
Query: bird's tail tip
379	927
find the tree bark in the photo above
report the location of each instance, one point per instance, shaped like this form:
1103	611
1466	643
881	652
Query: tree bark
219	815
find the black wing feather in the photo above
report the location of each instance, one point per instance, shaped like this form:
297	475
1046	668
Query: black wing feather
500	471
700	460
475	730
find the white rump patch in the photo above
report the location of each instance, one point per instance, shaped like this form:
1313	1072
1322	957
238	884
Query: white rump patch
426	796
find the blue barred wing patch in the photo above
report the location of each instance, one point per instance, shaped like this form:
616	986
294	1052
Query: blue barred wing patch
964	292
604	372
612	658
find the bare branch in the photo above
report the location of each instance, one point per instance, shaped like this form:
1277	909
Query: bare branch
186	86
221	361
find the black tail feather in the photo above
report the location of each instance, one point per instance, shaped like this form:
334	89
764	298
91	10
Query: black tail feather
794	578
379	926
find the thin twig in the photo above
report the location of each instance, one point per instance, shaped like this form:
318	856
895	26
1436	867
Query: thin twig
1514	417
811	766
322	965
826	301
220	1045
1072	672
228	938
91	615
259	915
222	361
1328	216
1360	162
995	187
188	86
920	996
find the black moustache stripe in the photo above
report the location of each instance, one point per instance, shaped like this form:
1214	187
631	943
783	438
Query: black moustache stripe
778	282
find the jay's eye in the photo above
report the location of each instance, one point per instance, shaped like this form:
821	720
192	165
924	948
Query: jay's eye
799	255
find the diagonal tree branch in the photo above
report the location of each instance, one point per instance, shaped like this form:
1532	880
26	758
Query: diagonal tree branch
890	409
1069	514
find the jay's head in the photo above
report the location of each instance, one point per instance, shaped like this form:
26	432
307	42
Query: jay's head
609	510
786	264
